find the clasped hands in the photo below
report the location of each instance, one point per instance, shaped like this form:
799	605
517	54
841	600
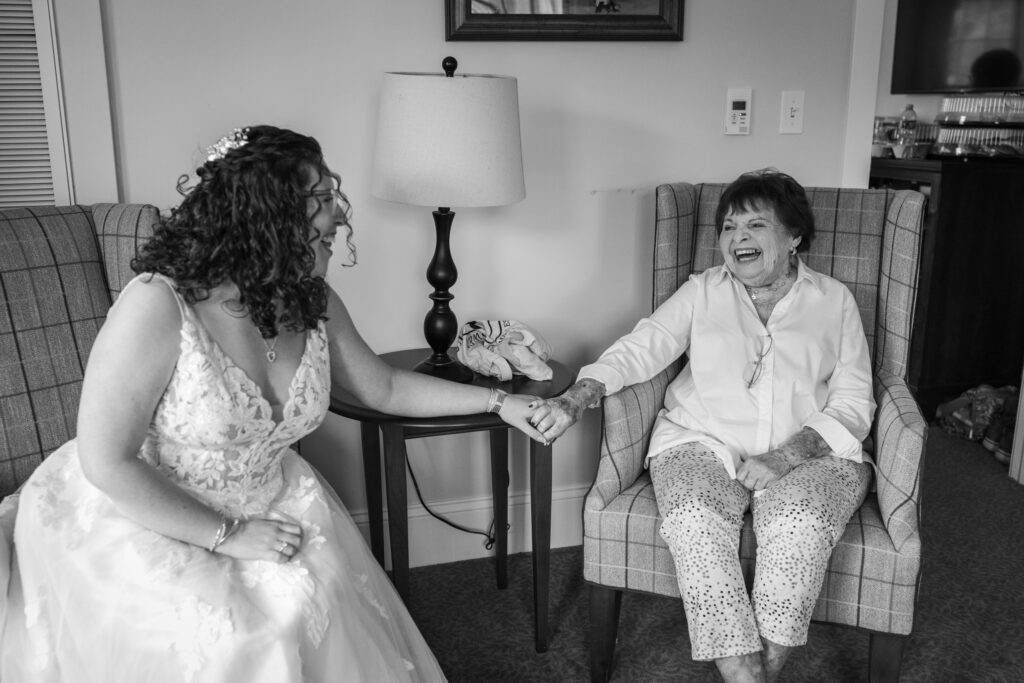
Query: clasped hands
542	420
551	417
756	472
275	537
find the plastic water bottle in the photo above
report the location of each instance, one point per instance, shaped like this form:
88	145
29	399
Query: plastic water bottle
907	129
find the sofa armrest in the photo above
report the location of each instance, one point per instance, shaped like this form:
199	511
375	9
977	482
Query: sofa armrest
627	419
900	433
120	230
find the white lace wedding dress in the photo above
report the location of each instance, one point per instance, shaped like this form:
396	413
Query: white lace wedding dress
93	596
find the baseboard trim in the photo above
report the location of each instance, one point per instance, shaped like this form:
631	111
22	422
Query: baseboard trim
431	541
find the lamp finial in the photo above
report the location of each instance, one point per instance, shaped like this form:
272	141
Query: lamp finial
449	64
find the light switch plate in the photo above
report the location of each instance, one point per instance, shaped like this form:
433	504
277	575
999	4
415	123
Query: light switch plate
738	111
791	116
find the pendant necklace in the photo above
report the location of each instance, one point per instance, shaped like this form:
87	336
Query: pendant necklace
271	353
768	291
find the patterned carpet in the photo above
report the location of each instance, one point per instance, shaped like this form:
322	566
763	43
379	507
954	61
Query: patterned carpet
969	624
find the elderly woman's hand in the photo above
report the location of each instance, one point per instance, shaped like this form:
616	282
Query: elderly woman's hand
758	471
556	415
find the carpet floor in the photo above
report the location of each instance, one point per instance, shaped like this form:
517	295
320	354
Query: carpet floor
969	624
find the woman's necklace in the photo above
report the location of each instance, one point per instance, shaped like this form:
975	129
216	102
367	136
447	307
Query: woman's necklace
236	310
271	353
771	292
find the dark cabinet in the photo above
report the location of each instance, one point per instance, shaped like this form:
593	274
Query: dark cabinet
969	317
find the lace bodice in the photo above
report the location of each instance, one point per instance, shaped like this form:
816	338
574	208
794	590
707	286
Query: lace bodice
215	433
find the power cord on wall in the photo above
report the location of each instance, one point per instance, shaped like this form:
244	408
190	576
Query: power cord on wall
489	534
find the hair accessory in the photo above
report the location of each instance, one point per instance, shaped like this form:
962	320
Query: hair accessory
239	137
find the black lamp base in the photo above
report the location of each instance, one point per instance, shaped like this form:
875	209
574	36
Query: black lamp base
448	369
440	326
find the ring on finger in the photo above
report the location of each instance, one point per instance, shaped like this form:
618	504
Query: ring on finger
281	548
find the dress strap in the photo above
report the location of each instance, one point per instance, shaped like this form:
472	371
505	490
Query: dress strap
183	308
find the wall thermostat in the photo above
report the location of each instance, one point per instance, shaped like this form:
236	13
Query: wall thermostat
737	111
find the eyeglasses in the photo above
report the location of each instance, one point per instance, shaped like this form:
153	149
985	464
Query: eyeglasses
757	365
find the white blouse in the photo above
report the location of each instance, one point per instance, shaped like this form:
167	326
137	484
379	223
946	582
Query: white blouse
749	386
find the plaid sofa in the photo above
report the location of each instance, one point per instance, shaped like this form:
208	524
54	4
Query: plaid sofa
870	240
60	269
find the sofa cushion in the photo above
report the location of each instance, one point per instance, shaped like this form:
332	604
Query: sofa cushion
53	299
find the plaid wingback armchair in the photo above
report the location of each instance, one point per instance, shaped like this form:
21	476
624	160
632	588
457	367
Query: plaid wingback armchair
60	269
870	240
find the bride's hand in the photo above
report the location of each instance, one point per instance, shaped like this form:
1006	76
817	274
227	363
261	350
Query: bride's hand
516	411
276	538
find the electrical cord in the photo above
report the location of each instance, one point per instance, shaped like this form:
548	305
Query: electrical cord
489	534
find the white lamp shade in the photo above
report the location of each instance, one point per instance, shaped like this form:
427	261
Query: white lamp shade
448	141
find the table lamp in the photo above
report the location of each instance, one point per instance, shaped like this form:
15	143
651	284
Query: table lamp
447	140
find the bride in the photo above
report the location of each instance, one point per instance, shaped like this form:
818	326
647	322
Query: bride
179	537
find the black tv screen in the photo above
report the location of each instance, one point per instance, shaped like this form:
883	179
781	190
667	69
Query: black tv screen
947	46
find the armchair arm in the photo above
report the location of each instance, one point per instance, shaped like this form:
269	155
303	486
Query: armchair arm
627	419
897	280
900	433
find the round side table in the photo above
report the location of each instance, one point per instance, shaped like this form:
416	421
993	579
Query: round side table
396	430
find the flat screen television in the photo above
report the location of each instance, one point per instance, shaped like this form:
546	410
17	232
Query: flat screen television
951	46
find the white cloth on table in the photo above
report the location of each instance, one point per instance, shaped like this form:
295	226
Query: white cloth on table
501	348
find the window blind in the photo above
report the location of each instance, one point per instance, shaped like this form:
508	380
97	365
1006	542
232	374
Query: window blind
26	177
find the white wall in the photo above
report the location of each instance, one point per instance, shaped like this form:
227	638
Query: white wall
602	125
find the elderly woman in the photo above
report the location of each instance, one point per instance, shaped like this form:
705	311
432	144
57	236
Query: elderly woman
767	415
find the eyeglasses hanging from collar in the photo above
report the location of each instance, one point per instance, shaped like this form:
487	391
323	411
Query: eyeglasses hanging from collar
757	365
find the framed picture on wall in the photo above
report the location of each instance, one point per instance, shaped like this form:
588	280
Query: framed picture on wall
563	19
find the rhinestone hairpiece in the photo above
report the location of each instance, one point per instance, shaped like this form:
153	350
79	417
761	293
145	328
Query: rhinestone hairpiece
234	140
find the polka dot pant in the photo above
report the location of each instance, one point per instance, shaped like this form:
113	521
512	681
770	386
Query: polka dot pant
797	521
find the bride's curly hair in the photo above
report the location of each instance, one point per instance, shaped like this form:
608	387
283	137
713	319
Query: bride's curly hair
246	222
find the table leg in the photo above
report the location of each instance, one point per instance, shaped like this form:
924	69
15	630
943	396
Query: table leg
540	519
374	500
398	509
499	491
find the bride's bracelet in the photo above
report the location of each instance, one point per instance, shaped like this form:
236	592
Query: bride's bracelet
497	400
224	531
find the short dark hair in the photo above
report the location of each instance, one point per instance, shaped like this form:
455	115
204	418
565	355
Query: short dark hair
246	221
773	189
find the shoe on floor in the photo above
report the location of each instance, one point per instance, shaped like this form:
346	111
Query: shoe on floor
994	432
1002	451
1002	443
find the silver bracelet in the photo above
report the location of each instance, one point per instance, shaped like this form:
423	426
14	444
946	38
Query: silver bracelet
497	400
224	532
218	538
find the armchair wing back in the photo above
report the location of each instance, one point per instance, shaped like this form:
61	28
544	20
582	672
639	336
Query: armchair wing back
869	240
60	269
